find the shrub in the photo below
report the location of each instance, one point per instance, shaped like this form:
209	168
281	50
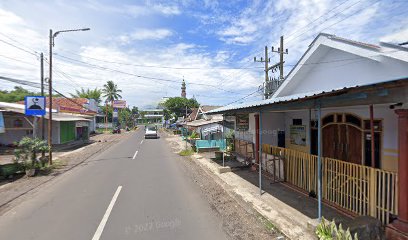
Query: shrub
194	135
26	152
328	231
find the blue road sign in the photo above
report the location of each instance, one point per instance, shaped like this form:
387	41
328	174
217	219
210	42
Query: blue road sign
35	105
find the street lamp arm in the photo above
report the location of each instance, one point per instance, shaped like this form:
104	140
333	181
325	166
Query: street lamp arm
70	30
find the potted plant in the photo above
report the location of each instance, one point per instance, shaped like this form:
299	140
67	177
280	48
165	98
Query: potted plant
26	154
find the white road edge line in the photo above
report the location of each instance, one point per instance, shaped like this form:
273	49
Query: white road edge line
101	226
141	142
134	156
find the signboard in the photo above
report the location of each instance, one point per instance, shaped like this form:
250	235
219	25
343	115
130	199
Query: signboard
34	105
119	104
2	125
115	113
298	135
242	122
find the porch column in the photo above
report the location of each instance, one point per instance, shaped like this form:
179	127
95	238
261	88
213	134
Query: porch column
399	228
257	138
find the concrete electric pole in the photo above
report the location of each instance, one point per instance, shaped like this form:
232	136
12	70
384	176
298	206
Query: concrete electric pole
266	61
281	53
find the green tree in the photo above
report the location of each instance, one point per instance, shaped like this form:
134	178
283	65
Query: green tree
88	93
126	117
176	106
16	95
135	110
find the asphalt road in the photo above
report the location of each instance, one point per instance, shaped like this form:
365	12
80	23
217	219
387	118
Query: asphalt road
134	190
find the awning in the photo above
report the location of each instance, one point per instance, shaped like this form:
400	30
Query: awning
202	122
66	118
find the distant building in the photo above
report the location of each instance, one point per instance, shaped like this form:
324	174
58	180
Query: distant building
149	116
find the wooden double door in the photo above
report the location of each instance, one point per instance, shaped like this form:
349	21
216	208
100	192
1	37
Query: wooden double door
342	141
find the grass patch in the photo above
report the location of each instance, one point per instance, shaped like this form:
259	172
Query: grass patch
267	223
186	152
56	164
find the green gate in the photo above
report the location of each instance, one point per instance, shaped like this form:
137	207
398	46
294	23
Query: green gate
67	131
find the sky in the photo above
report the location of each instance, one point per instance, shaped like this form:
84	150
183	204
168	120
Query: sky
148	47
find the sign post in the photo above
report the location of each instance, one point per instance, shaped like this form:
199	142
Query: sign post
34	106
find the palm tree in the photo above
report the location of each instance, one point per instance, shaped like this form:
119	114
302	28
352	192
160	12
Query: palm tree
110	92
88	93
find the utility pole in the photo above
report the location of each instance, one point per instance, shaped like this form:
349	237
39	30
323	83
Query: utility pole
42	94
267	60
50	102
281	52
52	36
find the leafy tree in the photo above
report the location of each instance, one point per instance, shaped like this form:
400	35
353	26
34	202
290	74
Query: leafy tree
176	106
88	93
126	117
15	95
135	110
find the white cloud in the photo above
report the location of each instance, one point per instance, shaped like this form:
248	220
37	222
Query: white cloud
399	36
167	9
145	34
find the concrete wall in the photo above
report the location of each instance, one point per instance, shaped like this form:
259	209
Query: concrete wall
13	134
250	134
271	124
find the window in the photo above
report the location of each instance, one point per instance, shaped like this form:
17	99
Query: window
328	119
297	121
351	119
18	123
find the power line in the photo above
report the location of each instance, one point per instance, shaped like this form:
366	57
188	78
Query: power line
137	75
358	10
252	93
37	85
18	60
22	49
311	22
160	66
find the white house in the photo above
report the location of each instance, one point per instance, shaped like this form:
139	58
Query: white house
336	90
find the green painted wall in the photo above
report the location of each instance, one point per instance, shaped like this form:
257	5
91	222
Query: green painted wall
67	131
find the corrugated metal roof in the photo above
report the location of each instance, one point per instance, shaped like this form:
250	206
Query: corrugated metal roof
59	117
294	97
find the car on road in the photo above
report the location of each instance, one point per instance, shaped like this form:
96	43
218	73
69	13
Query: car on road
151	132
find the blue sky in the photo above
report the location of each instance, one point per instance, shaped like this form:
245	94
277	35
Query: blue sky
211	44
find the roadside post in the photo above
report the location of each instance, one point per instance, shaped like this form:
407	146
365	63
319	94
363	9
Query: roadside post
222	140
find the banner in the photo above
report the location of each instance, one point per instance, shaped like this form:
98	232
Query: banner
119	104
242	122
298	135
2	125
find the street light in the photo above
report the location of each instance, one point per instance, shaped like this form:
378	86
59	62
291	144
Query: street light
52	36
